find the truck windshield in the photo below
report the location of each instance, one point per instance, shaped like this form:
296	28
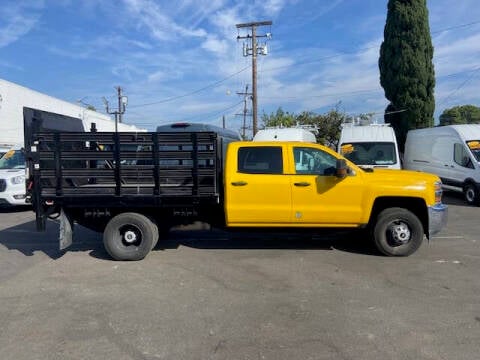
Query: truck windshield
370	153
474	147
13	159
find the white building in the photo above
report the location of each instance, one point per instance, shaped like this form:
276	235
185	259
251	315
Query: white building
14	97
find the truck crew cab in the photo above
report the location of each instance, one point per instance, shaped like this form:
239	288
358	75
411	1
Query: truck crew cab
132	186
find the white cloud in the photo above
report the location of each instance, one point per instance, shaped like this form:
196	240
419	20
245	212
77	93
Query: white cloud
215	45
273	6
18	18
157	22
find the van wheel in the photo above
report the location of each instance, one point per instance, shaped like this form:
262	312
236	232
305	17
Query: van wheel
130	236
397	232
472	195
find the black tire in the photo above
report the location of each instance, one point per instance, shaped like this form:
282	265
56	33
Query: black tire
397	232
156	233
130	236
471	192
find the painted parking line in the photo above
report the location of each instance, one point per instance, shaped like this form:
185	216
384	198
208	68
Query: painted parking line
448	237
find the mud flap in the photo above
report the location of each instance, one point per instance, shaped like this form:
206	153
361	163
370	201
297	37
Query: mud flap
66	231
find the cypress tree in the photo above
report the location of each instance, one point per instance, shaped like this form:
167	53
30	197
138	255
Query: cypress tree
406	68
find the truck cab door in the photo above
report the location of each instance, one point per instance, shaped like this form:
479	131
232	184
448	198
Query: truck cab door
257	192
319	197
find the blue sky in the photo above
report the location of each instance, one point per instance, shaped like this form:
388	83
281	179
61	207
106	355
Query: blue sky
181	61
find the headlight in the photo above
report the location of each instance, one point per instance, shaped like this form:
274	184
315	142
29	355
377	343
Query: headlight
438	192
18	179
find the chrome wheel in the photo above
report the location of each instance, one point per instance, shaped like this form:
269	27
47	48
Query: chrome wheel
398	233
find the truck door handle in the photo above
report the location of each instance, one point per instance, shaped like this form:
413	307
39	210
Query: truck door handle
303	184
239	183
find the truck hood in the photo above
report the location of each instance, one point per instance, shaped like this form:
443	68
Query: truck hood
6	173
415	179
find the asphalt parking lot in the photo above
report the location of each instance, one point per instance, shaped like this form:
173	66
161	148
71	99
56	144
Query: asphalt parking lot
208	295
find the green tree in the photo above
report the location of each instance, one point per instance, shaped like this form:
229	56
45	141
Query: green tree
327	126
279	118
406	67
465	114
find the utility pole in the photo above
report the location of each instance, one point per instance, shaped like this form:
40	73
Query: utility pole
252	48
122	104
245	94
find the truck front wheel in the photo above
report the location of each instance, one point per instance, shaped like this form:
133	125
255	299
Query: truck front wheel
397	232
130	236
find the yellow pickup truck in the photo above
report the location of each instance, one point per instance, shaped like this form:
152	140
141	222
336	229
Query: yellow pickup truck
308	185
135	186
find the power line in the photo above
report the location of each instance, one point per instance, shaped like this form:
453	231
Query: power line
202	116
192	92
215	84
355	92
320	59
323	95
459	87
213	113
455	27
343	53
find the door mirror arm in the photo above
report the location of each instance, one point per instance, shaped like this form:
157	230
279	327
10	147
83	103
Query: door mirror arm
341	168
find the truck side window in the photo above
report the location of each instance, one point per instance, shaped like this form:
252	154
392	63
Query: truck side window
461	156
260	160
313	161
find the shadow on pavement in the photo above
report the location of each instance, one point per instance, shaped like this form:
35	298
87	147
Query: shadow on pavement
14	209
25	239
350	241
454	198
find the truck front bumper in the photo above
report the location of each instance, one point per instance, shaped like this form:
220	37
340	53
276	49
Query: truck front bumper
437	218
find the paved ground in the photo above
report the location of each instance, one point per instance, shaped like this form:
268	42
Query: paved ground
207	296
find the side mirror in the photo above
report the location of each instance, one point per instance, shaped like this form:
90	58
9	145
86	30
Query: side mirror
341	169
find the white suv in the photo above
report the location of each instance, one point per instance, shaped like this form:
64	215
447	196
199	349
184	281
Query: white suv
12	177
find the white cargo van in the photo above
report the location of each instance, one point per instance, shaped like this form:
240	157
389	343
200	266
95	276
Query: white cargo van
452	152
285	134
373	145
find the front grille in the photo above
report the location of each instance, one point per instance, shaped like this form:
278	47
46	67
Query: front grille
3	185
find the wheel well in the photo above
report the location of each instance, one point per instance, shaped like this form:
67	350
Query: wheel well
468	182
415	205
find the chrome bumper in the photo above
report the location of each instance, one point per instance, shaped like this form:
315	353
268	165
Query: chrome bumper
437	218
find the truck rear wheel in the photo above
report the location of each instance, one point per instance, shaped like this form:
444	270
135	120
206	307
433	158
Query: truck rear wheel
397	232
472	195
130	236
